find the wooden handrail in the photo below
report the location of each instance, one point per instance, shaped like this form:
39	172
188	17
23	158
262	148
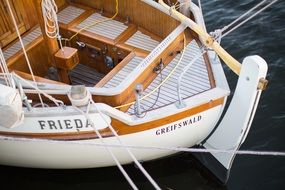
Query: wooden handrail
38	79
208	40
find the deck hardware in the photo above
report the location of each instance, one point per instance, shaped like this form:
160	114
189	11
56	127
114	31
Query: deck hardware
94	51
127	21
78	95
52	74
23	94
158	67
114	49
138	91
81	45
262	85
105	50
109	62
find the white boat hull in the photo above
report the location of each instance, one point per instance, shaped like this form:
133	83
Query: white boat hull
71	154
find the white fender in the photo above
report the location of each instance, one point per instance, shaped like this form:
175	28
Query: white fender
234	127
11	112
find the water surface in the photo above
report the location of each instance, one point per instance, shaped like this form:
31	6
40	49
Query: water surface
264	36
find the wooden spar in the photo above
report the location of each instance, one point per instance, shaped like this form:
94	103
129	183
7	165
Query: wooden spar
52	44
209	41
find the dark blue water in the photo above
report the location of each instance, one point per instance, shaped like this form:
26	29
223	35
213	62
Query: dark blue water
265	36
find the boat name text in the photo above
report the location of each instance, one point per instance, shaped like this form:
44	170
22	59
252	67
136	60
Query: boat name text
67	124
179	125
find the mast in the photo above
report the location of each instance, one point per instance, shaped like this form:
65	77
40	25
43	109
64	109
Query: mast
51	43
66	58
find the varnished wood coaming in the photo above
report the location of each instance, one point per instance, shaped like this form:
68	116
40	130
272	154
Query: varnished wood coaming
98	41
145	78
137	12
28	76
120	127
37	53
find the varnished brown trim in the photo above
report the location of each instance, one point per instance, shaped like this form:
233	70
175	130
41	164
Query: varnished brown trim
124	129
114	71
120	127
208	66
37	78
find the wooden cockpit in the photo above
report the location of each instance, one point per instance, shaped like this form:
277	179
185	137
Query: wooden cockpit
106	53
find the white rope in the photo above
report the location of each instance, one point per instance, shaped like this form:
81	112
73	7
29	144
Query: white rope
138	164
23	47
249	18
140	147
49	10
130	181
243	15
200	6
58	103
5	70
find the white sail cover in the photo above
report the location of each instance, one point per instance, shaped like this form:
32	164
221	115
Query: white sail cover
11	112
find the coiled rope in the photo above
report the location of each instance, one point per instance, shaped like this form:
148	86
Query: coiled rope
49	11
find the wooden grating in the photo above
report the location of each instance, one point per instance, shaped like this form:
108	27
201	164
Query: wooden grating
124	72
196	80
84	75
142	41
68	14
27	39
110	29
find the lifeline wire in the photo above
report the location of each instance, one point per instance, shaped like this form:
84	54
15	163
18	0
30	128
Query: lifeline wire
138	164
130	181
249	18
160	148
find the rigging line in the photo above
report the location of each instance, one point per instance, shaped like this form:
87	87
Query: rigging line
4	76
4	69
243	15
179	4
249	18
169	3
200	6
123	171
23	47
159	148
58	103
158	94
138	164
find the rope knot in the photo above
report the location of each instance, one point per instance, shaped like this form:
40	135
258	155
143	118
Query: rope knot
217	35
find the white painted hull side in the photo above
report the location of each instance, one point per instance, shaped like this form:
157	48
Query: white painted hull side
86	154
